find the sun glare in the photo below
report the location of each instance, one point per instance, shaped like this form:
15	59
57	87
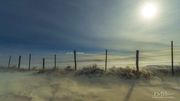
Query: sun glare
149	10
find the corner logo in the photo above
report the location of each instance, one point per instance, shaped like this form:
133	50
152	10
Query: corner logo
163	94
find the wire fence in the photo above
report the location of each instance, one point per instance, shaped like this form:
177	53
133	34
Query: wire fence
114	59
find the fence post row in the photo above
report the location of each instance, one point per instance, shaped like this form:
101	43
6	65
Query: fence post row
9	62
19	62
106	60
172	58
137	60
106	53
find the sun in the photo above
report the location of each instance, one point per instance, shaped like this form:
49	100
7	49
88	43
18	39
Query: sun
149	10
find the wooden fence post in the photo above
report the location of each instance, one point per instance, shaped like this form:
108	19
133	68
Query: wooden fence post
55	61
137	60
9	62
172	58
75	63
19	62
29	67
106	60
43	65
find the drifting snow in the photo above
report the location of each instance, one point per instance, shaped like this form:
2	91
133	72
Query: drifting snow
67	85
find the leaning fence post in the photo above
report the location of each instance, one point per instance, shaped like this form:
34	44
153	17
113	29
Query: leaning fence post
19	62
172	58
43	65
55	61
106	60
137	60
9	62
75	63
29	67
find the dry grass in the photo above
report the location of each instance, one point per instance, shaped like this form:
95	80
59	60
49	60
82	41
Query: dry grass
92	70
95	71
128	73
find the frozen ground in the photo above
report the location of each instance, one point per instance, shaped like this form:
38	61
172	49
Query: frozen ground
31	86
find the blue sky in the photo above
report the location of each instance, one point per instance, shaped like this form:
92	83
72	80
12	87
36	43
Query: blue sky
86	25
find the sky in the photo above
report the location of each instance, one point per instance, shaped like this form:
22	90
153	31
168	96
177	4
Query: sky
86	25
54	26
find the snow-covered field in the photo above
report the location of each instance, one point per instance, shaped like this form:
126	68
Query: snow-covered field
31	86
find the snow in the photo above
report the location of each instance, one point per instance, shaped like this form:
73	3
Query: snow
31	86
